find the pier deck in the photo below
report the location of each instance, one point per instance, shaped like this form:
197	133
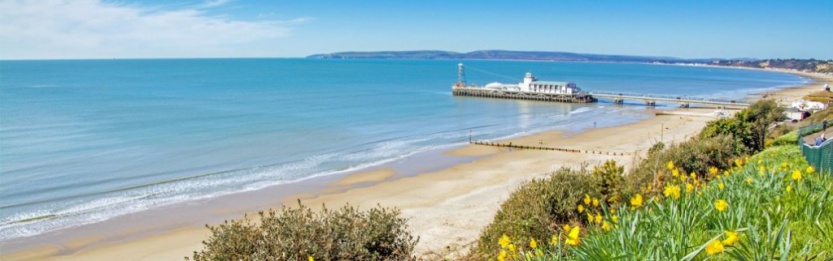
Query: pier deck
652	99
519	95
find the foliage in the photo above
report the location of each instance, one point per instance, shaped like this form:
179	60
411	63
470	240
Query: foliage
790	138
748	127
536	209
300	233
768	206
608	178
693	156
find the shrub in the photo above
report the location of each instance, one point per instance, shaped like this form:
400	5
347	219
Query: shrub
608	178
535	210
697	156
299	233
748	127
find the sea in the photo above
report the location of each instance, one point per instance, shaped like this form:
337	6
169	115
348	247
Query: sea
84	141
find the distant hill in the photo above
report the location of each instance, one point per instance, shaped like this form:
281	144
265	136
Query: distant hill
491	54
810	65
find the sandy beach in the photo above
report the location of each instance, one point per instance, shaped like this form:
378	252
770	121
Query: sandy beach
446	208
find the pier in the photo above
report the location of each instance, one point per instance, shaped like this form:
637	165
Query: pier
652	99
533	89
520	95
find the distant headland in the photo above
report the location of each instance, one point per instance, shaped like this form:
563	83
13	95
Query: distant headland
807	65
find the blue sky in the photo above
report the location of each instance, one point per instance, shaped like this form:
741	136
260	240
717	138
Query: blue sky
61	29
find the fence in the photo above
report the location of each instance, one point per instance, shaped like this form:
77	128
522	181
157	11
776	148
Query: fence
820	157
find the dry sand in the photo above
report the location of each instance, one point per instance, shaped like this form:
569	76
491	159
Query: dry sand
448	208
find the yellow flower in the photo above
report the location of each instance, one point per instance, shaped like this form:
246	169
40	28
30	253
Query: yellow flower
511	248
309	258
749	181
580	208
731	238
689	187
504	241
598	218
725	173
693	175
683	178
589	217
566	228
810	170
586	199
572	237
605	226
675	172
554	240
721	186
636	201
783	165
796	175
721	205
532	243
712	171
615	219
595	202
738	162
715	247
789	188
672	191
502	255
670	165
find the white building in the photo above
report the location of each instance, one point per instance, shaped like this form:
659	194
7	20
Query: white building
533	85
805	105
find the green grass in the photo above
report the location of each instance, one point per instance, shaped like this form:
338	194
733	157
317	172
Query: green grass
772	220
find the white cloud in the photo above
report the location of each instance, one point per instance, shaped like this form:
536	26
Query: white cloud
46	29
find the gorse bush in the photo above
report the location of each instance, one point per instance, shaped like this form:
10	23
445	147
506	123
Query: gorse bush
696	156
536	209
302	234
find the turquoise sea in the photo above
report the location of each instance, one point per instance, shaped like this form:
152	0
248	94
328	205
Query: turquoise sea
83	141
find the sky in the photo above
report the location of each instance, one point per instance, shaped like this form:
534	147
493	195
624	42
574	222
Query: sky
104	29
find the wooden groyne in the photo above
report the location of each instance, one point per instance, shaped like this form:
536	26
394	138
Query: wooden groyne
510	145
519	95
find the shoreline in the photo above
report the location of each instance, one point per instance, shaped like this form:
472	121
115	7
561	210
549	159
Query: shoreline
436	200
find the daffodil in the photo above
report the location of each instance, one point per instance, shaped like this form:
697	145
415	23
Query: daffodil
595	202
715	247
580	208
731	238
502	255
670	165
749	181
721	205
309	258
504	241
672	191
675	172
511	248
590	217
554	240
532	243
605	226
810	170
598	219
636	201
712	171
566	228
721	186
615	219
689	187
586	199
789	188
573	237
797	175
